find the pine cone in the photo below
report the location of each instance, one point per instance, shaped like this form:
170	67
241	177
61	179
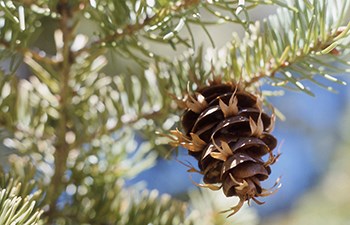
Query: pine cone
226	130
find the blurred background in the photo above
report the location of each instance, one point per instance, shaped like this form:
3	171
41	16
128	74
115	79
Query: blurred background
314	141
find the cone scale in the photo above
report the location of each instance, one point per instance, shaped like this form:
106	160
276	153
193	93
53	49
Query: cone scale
226	130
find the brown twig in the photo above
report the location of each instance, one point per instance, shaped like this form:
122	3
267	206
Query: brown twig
132	29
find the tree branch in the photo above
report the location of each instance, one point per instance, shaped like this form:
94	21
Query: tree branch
318	47
62	148
132	29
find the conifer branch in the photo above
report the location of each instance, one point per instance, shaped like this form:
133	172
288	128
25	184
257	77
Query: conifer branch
317	49
133	29
277	49
320	48
295	40
62	148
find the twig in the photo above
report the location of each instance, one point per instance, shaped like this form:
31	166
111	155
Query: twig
34	54
131	29
273	69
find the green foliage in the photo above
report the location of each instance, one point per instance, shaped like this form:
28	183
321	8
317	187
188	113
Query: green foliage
19	26
301	42
19	196
288	57
15	209
117	205
165	211
139	22
76	120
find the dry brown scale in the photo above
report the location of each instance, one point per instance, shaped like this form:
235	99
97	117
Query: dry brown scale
226	130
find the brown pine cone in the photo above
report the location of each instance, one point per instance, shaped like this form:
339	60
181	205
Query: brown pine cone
226	130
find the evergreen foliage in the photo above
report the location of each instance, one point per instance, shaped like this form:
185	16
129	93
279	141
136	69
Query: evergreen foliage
75	119
19	194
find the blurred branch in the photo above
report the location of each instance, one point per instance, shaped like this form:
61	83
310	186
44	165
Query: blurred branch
99	133
27	51
62	148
